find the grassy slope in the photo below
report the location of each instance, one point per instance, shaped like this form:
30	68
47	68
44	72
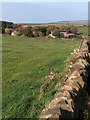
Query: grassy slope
25	64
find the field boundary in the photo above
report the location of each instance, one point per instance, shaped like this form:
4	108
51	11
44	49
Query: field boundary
70	102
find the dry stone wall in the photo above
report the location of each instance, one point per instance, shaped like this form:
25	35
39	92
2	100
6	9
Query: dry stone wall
70	101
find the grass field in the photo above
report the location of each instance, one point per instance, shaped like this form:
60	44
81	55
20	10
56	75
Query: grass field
83	31
26	62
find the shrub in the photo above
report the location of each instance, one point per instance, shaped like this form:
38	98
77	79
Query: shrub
28	32
79	36
3	30
21	30
25	31
35	33
41	34
8	31
48	32
5	24
50	28
43	30
56	33
71	29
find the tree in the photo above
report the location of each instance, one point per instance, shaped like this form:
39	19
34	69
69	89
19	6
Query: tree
5	24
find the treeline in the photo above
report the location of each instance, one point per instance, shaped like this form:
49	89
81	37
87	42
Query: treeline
36	31
5	24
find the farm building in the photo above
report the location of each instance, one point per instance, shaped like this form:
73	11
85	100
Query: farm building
66	35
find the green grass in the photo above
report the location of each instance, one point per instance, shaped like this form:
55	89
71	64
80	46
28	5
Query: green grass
26	62
83	30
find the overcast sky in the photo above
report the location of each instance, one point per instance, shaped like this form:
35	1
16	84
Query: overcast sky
37	12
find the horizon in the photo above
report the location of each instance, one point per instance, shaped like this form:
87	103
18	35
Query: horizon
44	23
38	13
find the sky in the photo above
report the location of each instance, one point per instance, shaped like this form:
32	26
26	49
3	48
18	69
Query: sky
43	12
45	0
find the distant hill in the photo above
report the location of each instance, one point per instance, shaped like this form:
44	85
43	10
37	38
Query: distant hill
6	23
75	22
